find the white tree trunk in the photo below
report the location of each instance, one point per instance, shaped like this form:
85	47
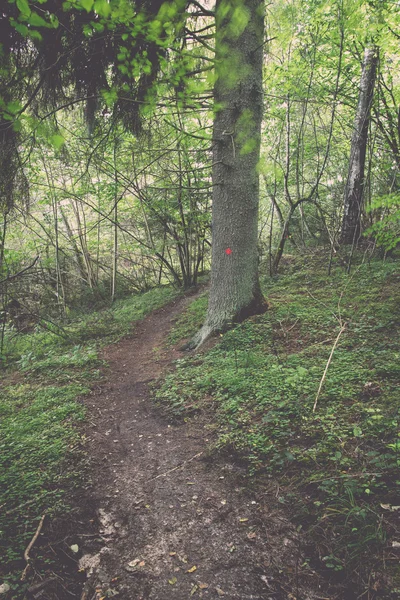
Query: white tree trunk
354	191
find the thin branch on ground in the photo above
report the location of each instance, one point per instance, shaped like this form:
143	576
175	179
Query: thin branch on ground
176	468
29	547
343	327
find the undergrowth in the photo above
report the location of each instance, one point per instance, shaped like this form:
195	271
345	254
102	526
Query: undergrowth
337	467
41	447
190	321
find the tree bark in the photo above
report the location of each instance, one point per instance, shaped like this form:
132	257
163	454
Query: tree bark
235	290
354	191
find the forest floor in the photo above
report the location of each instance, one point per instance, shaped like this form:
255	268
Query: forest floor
174	523
248	469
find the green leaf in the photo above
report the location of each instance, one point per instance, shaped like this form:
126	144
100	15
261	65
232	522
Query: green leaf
35	35
57	141
54	21
17	125
23	6
97	26
302	371
239	20
37	21
110	96
22	29
87	5
13	107
102	8
248	146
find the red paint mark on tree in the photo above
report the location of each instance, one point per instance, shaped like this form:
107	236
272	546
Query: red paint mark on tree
228	251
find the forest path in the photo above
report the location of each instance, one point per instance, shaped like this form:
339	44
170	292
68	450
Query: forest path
174	524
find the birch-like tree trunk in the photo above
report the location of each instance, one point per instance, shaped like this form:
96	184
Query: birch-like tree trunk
235	291
354	191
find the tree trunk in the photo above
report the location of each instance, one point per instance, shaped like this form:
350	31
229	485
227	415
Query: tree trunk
115	230
235	290
285	234
354	191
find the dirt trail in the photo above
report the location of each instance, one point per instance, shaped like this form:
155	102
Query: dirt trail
173	524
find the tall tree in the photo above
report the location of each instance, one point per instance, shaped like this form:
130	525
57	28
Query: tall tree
235	290
354	191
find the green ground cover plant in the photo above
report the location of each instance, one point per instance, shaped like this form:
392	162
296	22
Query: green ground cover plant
190	321
337	465
42	448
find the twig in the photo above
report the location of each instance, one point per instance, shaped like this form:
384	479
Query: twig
323	303
343	327
293	326
29	548
175	468
85	594
33	589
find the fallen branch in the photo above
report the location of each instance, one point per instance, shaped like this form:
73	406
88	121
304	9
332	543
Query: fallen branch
327	365
29	547
175	468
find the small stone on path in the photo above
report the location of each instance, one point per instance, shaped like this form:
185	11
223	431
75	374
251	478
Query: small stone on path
4	588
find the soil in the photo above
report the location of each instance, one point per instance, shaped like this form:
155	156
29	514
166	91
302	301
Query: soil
175	522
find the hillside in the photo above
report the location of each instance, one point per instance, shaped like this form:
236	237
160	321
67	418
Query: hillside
305	501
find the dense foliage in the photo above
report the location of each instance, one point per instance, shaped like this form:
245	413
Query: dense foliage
108	211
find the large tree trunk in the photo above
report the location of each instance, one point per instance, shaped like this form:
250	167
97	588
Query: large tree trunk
235	291
354	191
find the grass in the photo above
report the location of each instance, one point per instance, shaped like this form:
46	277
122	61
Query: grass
42	462
190	321
88	330
37	433
336	466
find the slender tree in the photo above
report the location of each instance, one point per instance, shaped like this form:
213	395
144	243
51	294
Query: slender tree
354	191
